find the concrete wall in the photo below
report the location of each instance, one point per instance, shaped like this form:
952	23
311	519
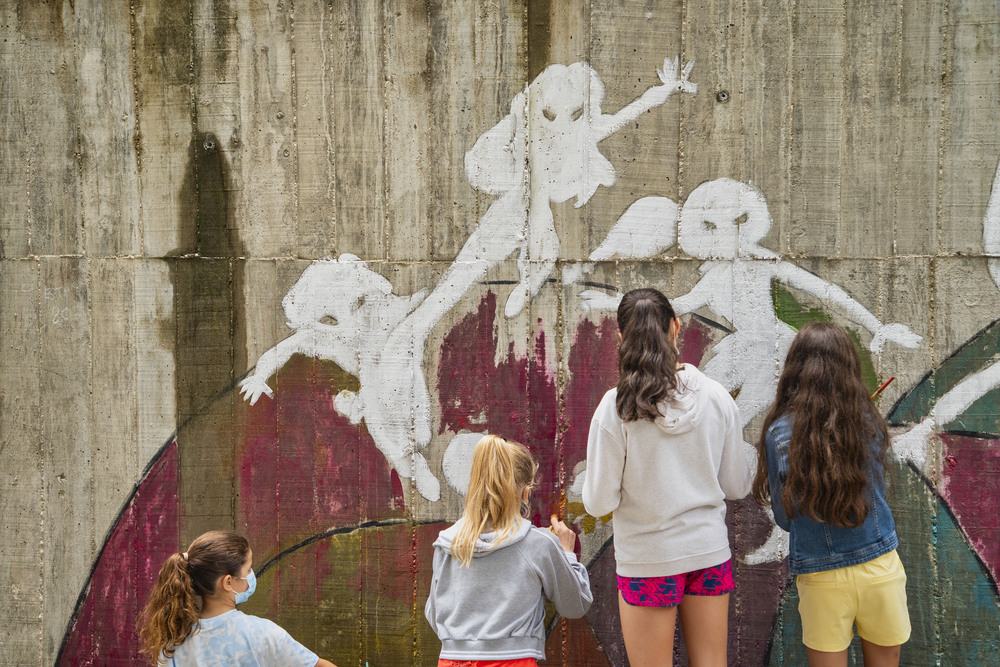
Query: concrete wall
405	223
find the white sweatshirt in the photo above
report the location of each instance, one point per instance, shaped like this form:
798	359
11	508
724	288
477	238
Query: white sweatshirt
666	481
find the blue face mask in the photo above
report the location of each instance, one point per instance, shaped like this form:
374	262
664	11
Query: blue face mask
251	580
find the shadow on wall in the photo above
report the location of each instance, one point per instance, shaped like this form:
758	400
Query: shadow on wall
207	272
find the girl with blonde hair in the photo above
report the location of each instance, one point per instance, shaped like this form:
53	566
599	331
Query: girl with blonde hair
493	570
191	616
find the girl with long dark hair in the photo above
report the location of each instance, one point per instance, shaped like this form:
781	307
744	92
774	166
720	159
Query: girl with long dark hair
821	464
665	451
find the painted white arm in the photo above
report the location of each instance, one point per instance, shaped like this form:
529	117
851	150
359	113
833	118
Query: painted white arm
699	295
324	342
807	282
674	79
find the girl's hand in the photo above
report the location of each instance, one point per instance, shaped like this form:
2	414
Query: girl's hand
565	534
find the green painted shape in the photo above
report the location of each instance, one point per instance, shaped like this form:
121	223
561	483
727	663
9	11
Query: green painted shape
796	315
980	351
954	608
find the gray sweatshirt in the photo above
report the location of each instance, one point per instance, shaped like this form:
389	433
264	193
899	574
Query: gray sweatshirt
666	481
495	608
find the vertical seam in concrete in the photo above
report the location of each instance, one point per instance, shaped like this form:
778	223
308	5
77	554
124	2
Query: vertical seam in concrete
136	132
838	245
680	104
897	144
81	245
42	465
330	127
295	123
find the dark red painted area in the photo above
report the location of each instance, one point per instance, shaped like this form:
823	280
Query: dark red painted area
515	398
970	486
145	535
304	467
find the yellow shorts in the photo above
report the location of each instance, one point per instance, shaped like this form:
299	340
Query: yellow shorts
871	595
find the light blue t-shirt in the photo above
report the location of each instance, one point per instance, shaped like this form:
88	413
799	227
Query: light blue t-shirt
233	638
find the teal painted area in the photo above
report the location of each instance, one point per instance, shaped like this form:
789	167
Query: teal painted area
955	611
794	314
982	350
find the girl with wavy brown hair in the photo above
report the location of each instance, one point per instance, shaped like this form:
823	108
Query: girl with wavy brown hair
191	616
821	464
664	453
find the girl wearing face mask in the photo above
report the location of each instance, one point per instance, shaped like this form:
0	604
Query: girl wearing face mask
191	617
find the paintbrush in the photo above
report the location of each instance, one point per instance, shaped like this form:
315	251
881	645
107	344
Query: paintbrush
884	385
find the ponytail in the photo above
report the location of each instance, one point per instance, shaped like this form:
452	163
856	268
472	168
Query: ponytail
647	356
171	614
501	471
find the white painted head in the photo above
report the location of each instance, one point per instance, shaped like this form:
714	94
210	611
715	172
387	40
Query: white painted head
724	219
331	291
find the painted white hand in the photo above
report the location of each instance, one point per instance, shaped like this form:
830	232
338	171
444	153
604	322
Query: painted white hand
673	78
593	299
252	387
896	333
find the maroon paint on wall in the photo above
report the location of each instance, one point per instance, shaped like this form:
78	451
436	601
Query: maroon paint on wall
103	632
970	485
304	467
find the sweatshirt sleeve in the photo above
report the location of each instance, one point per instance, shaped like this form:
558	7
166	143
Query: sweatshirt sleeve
564	579
430	609
602	486
776	481
735	471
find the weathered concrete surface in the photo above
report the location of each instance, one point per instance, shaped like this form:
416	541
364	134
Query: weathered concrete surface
170	170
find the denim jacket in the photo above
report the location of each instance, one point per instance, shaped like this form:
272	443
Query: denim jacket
816	546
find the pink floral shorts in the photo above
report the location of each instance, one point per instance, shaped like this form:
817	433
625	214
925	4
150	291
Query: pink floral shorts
669	591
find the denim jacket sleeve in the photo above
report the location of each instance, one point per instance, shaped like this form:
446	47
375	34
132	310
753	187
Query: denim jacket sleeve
776	450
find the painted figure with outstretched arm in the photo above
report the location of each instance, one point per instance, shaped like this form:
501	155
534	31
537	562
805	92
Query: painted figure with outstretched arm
341	310
723	222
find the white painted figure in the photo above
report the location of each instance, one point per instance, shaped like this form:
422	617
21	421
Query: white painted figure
723	222
343	311
544	151
913	445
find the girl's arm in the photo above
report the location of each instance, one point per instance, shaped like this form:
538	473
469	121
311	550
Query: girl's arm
602	485
430	609
776	482
564	579
735	476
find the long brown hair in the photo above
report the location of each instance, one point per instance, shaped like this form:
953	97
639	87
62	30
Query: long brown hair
501	471
647	357
835	423
171	614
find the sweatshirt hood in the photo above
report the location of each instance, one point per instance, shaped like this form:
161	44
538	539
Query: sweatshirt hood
487	542
682	412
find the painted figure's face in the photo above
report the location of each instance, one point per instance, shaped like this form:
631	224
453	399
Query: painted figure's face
331	292
724	219
562	101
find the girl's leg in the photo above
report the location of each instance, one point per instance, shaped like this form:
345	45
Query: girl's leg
826	659
880	656
705	624
648	633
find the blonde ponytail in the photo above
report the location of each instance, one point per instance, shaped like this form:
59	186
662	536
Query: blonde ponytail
501	471
171	614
